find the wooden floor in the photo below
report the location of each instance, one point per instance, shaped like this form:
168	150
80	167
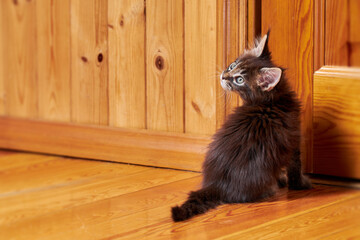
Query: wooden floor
49	197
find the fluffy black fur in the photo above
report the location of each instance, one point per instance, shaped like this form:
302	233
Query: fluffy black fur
247	156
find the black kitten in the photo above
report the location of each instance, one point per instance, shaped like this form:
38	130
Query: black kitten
246	159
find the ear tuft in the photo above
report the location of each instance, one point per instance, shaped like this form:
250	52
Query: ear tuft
269	78
265	52
257	51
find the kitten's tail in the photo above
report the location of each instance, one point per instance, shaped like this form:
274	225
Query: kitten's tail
198	202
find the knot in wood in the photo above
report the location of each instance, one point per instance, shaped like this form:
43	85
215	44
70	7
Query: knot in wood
100	57
159	63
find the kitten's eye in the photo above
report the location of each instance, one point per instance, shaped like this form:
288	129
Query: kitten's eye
232	66
239	81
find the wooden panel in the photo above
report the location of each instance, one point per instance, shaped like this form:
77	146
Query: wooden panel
354	33
319	34
342	41
291	24
253	20
200	65
182	151
53	48
2	63
164	42
233	45
19	61
127	63
220	61
89	62
337	121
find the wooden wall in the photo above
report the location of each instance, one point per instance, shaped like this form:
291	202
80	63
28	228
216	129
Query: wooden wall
114	62
125	65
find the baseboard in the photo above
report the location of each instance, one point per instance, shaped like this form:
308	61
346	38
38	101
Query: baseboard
172	150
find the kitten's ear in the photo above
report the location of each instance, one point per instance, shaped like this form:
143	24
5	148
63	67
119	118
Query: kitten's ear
269	78
261	49
265	53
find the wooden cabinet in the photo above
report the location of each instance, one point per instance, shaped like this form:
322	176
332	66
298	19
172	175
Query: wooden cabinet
137	81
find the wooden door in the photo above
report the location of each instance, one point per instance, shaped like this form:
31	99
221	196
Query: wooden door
337	89
318	41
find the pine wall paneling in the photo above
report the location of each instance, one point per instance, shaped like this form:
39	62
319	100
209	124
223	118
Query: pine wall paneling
165	65
291	44
127	86
89	62
113	66
19	65
53	59
342	36
200	66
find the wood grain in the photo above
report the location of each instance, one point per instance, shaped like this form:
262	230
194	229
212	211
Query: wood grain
321	222
165	69
53	48
127	86
354	34
233	45
337	32
19	58
342	40
337	121
200	65
253	20
291	24
220	60
175	150
60	198
79	183
2	64
319	34
89	62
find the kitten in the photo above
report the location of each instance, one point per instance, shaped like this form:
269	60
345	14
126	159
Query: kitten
246	158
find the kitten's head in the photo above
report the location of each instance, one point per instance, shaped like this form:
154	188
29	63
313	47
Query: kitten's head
252	75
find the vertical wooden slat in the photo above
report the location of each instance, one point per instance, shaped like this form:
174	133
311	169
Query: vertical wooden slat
336	33
354	33
253	20
220	60
200	66
126	25
319	34
2	62
164	64
19	57
232	45
89	62
291	44
53	46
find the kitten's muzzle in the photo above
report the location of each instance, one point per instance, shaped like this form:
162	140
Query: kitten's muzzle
225	84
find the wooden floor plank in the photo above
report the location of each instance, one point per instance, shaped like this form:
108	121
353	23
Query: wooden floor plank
48	197
112	217
231	218
15	160
323	221
57	170
63	183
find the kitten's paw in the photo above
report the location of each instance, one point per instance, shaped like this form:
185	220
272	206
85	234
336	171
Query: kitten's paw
303	184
